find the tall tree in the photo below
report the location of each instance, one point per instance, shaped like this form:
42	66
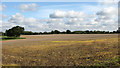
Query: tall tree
68	31
15	31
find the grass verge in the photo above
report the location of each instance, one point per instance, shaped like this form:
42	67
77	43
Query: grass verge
10	38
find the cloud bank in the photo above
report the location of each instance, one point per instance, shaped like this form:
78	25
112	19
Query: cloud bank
2	7
28	7
105	19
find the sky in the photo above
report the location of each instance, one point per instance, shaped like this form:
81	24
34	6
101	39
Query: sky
62	16
53	0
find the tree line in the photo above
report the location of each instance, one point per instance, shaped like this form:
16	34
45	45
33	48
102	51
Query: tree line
17	31
69	32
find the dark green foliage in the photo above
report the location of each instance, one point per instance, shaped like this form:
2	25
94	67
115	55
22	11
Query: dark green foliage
55	32
45	32
27	33
11	38
68	31
15	31
2	34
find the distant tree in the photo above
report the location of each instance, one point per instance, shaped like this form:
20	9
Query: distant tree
87	32
68	31
76	32
15	31
40	32
55	32
35	33
45	32
27	33
2	34
52	32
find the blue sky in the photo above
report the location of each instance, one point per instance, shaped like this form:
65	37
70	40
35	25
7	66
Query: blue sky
51	0
12	8
47	16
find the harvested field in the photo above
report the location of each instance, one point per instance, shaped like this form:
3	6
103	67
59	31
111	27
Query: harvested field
61	50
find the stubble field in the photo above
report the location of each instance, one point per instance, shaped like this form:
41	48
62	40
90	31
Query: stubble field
61	50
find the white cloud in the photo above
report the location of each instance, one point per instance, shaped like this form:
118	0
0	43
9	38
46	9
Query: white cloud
18	18
109	2
105	19
28	7
7	25
2	7
58	14
4	16
110	13
108	18
29	23
67	14
73	21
